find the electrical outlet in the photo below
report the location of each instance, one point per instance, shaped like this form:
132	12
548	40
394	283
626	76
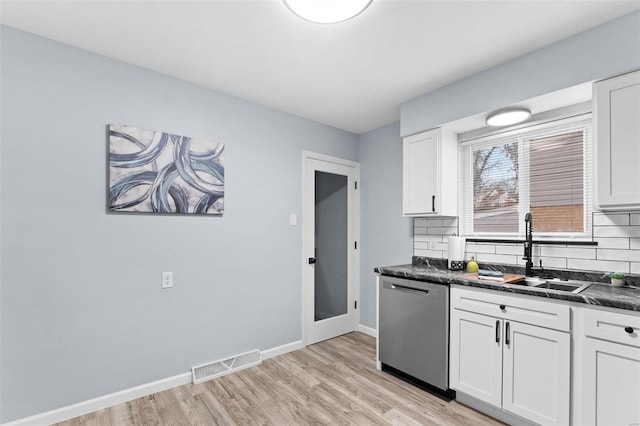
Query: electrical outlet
167	279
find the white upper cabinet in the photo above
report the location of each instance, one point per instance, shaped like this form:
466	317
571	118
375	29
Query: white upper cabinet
616	106
430	174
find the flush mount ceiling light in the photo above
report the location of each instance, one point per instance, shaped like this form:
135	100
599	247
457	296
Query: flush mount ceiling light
327	11
508	116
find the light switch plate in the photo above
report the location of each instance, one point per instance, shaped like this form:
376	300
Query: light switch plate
167	279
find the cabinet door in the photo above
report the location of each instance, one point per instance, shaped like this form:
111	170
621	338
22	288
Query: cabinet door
536	376
611	383
476	356
617	141
420	174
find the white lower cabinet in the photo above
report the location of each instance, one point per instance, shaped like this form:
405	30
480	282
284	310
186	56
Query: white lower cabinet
523	369
476	356
609	368
536	373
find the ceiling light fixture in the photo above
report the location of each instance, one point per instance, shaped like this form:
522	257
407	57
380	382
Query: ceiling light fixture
508	116
327	11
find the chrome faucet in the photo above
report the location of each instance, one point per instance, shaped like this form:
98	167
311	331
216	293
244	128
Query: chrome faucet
528	243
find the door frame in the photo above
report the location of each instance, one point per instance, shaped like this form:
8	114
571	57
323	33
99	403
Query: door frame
308	229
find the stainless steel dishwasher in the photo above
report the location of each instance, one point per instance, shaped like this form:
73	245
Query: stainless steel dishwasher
414	331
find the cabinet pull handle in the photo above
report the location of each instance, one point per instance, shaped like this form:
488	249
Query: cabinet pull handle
498	331
433	203
502	307
629	330
506	334
398	287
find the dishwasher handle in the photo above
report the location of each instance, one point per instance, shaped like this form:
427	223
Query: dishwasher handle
399	287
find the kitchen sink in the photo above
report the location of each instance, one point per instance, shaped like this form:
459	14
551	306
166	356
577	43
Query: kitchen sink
574	287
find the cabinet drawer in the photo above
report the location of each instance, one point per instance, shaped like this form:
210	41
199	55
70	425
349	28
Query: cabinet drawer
515	308
614	327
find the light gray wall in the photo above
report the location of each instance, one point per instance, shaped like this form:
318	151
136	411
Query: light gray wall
603	51
82	311
387	237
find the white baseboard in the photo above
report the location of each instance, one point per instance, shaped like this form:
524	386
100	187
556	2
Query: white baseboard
106	401
281	350
368	330
101	402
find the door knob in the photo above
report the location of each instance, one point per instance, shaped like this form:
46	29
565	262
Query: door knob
312	260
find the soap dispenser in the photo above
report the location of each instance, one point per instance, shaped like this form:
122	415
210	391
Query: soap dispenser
472	265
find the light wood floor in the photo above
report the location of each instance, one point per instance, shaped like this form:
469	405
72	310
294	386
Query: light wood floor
333	382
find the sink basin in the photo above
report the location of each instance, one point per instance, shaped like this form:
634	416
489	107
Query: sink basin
574	287
534	281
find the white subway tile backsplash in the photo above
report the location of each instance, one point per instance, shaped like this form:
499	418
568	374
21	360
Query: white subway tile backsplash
617	235
419	230
436	223
428	238
428	253
509	249
598	265
550	262
443	247
442	230
613	243
568	252
536	251
613	219
617	231
423	245
450	221
419	252
437	254
436	238
470	246
497	258
481	247
628	255
419	222
547	262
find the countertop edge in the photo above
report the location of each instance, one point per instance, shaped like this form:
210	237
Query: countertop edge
597	294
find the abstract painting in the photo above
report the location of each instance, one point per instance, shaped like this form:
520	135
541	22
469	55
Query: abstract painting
156	172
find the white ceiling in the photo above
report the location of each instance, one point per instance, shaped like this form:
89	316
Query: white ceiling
353	75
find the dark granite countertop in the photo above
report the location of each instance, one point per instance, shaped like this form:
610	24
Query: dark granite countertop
598	293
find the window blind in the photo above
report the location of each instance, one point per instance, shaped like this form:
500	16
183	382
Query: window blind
544	170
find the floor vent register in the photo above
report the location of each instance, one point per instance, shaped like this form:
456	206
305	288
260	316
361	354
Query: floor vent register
214	369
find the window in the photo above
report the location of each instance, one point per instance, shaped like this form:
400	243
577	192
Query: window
543	170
